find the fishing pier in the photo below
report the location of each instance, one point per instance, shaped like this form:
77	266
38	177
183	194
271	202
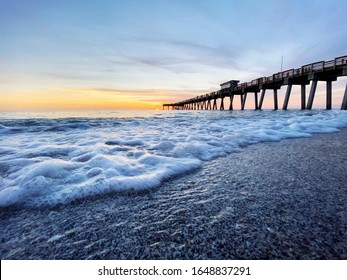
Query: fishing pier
310	74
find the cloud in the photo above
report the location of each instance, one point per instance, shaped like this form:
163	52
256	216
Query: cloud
174	55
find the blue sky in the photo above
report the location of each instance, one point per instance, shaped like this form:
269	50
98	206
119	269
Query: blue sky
156	51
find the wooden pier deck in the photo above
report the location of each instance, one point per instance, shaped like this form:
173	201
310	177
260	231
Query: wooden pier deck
327	71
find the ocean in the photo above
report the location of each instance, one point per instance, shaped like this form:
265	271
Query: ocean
53	158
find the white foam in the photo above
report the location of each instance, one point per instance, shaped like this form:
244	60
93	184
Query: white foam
51	161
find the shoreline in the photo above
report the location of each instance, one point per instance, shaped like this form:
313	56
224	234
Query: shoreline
273	200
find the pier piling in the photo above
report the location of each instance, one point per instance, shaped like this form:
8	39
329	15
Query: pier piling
286	99
312	93
231	102
243	101
222	104
344	101
256	105
275	99
303	96
329	96
261	98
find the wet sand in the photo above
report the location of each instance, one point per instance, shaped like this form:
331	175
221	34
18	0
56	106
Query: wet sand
277	200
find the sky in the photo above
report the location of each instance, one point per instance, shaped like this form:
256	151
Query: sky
138	54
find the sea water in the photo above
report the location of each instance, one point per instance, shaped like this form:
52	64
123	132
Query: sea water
49	158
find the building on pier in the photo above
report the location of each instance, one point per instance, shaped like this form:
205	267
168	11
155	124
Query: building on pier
229	84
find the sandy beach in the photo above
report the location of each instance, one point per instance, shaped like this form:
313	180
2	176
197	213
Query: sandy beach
276	200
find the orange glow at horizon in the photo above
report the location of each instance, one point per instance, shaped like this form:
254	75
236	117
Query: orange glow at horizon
86	99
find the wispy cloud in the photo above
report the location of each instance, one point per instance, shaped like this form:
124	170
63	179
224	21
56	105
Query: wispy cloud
178	55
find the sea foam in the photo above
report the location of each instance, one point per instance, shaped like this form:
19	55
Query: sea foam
45	161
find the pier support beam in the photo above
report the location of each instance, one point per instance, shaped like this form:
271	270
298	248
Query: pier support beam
329	95
262	98
344	101
303	97
256	106
286	99
214	104
275	99
312	93
231	102
243	103
222	104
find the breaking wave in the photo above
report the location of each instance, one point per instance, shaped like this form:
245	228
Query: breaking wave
47	161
